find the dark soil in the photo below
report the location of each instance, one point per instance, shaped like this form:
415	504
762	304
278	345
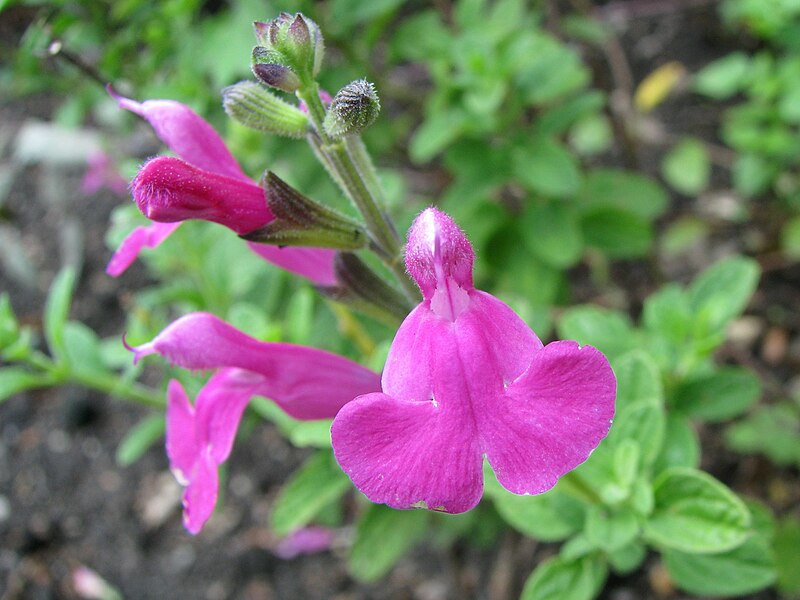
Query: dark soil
64	502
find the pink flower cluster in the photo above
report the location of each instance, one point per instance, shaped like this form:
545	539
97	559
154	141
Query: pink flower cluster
465	377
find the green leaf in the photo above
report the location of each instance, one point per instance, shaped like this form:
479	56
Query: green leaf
744	570
723	290
724	77
9	328
561	579
547	517
617	233
638	380
608	331
686	167
82	349
14	380
383	536
139	439
681	447
752	174
644	423
695	513
622	190
790	239
718	396
436	133
553	233
56	311
611	530
311	488
627	559
545	167
771	430
786	546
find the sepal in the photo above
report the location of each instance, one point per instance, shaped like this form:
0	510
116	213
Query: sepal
358	286
253	106
299	221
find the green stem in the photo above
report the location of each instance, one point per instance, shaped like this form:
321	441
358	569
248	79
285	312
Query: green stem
113	386
350	166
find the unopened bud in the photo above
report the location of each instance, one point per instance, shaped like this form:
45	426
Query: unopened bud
293	41
251	105
354	108
277	76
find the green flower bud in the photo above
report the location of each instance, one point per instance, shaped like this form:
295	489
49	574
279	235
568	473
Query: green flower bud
251	105
293	41
354	108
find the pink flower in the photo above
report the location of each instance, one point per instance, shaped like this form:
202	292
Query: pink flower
101	172
466	378
305	382
204	182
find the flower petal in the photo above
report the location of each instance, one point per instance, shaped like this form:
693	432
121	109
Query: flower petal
182	444
307	383
550	419
220	405
438	251
149	236
315	264
409	454
168	189
308	540
185	133
200	496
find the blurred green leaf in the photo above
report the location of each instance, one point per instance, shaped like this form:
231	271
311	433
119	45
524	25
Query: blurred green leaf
617	233
724	77
611	530
790	238
622	190
558	578
140	438
686	167
722	291
311	488
545	167
383	536
743	570
608	331
638	380
82	349
695	513
717	396
786	547
681	447
553	234
56	311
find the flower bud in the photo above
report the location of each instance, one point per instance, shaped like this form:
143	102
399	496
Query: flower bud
292	41
276	76
354	108
251	105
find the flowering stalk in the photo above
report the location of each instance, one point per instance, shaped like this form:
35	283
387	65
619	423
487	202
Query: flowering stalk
350	166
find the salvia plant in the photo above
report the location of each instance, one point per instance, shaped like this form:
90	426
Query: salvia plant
466	417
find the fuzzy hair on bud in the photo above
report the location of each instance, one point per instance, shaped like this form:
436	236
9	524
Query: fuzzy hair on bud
354	108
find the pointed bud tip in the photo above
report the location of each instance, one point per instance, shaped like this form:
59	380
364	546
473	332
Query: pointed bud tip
437	250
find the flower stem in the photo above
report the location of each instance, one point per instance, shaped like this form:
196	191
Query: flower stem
350	166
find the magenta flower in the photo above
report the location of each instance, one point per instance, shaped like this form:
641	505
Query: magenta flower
308	540
467	378
305	382
204	182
